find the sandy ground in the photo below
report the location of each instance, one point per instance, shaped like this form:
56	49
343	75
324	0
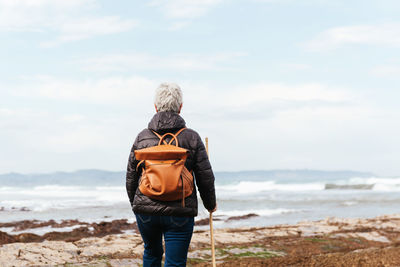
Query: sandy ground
330	242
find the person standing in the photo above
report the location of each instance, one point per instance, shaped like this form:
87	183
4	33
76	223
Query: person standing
169	219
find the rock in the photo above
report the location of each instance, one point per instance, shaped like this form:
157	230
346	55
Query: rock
373	236
31	224
114	245
44	253
24	209
126	262
28	237
244	217
336	239
74	235
205	221
85	230
113	227
6	238
349	186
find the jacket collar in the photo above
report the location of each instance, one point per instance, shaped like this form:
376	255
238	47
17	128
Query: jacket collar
166	121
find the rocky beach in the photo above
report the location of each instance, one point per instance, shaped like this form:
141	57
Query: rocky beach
328	242
264	218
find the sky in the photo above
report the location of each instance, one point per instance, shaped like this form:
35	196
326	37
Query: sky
274	84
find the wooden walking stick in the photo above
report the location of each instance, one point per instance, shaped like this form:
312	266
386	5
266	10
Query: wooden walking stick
211	225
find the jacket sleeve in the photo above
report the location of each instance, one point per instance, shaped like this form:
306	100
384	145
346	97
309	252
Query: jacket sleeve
204	176
132	176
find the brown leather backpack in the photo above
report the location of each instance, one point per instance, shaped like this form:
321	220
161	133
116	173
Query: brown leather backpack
164	176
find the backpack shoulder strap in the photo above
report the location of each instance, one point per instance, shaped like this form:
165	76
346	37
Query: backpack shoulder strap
159	136
178	132
174	136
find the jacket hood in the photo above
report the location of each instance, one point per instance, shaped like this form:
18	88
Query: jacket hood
166	121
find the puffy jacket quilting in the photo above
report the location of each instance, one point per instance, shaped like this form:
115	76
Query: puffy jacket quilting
197	161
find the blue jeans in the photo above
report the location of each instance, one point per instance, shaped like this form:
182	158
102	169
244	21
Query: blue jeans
177	233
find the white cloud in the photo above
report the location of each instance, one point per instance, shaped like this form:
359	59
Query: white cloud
68	20
390	71
250	100
133	61
111	90
291	1
312	117
85	28
178	25
185	9
212	105
6	112
278	92
383	34
297	66
37	15
52	134
301	125
288	125
74	123
39	3
182	12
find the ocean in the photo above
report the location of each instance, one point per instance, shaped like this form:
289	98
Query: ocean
276	197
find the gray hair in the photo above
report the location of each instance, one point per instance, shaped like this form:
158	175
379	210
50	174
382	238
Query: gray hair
168	97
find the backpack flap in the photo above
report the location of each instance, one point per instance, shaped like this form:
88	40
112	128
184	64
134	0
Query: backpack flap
161	152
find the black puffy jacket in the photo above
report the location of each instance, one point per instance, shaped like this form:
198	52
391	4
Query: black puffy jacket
197	161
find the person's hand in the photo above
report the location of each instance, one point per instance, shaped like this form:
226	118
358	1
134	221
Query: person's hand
211	211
